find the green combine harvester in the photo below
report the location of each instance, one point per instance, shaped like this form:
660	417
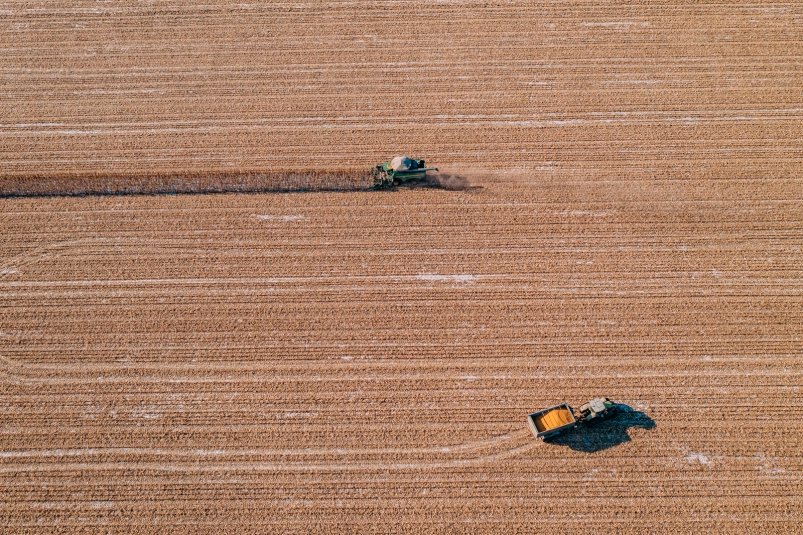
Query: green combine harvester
400	170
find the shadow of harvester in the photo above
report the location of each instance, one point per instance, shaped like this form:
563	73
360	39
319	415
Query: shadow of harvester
604	434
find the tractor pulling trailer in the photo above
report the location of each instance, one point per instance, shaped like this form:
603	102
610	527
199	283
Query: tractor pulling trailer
553	421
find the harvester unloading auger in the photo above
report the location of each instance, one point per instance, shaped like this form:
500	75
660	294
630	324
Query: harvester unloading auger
555	420
400	170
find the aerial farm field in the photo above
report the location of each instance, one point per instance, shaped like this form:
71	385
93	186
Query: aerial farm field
361	361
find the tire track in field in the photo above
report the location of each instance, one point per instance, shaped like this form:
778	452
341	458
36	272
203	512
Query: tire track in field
501	447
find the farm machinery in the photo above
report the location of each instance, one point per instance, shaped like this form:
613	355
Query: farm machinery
555	420
400	170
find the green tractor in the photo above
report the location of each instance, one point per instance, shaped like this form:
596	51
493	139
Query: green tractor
400	170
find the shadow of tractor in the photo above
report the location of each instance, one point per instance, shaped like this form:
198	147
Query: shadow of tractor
606	433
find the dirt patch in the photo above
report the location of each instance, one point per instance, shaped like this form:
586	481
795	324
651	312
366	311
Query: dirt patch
449	181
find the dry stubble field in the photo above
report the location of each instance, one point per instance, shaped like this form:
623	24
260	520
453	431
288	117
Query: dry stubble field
363	362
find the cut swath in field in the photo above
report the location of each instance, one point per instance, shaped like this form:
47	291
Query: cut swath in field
210	182
185	182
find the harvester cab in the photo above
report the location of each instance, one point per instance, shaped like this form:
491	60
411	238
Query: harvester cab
400	170
555	420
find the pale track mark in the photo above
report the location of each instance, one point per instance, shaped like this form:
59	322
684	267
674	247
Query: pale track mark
509	445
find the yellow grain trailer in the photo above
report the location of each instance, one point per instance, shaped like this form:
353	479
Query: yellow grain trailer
552	421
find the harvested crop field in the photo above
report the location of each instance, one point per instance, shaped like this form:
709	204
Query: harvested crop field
337	361
363	362
603	89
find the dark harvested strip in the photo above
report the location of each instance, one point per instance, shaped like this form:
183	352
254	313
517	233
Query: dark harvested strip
185	182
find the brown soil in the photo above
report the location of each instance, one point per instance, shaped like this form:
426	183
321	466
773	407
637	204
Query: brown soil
334	362
603	89
365	362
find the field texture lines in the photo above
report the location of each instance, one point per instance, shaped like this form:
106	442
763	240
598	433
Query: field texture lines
363	362
326	361
174	89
